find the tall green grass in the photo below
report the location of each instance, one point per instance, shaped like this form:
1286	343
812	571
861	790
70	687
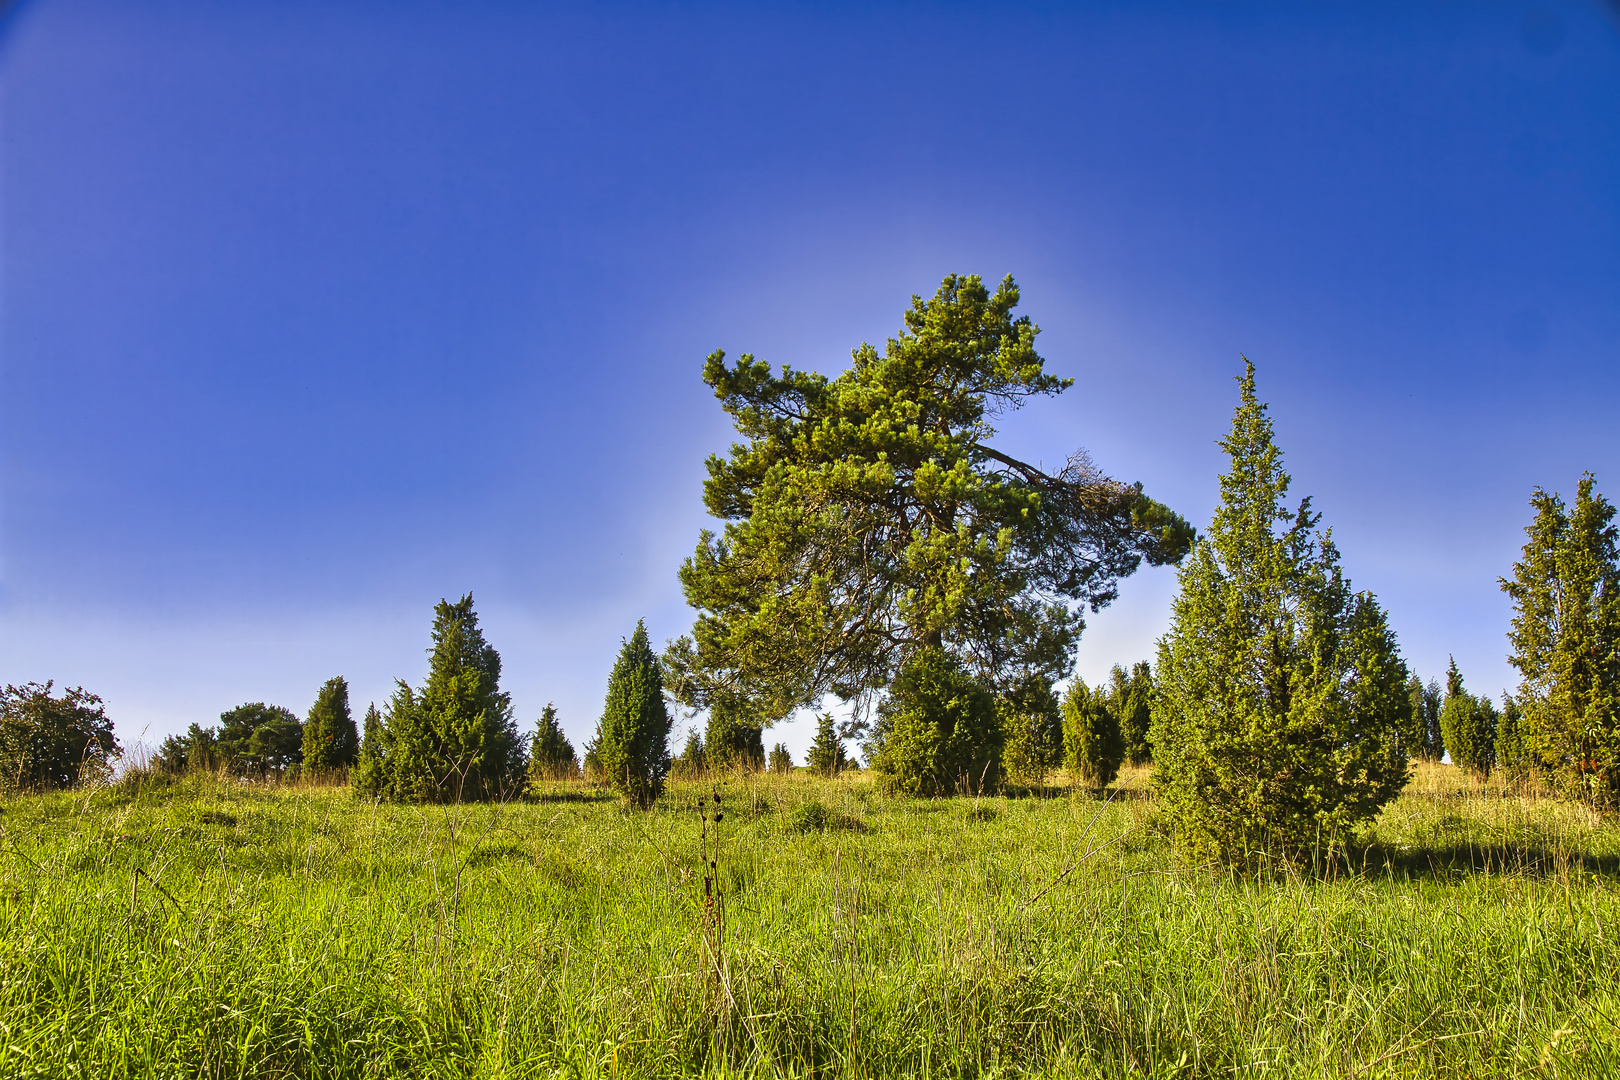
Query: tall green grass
207	928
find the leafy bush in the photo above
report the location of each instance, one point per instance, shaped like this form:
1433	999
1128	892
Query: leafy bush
1093	744
1280	694
256	739
49	742
632	739
1033	730
937	731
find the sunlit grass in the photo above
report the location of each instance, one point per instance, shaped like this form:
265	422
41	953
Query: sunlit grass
216	929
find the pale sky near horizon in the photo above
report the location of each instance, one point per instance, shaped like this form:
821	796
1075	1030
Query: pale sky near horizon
312	314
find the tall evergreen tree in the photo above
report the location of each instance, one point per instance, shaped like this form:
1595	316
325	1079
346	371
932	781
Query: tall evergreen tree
367	776
1566	642
632	738
551	755
1468	725
330	740
1280	693
455	739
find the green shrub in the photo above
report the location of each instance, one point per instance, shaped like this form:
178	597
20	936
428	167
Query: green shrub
692	761
781	760
1513	754
551	755
455	739
937	731
1280	696
632	739
1093	745
1468	725
1130	699
330	741
814	817
826	755
1032	729
734	738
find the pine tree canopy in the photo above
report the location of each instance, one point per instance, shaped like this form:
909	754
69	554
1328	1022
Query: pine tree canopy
1280	695
1566	642
869	516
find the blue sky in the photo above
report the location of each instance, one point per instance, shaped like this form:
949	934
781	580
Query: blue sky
312	314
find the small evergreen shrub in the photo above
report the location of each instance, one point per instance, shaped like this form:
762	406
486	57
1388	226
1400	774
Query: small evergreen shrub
1423	738
1130	699
937	731
1513	754
330	741
691	762
1093	744
826	755
631	747
1032	729
551	755
781	760
1468	725
734	739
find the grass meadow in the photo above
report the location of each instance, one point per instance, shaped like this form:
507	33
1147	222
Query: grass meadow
203	927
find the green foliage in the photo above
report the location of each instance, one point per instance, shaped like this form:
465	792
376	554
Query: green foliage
551	755
1130	698
1032	728
937	731
1424	738
826	755
1093	745
1512	752
632	738
692	761
196	750
260	740
49	742
1566	642
368	777
869	517
455	739
1280	694
781	760
330	739
1468	725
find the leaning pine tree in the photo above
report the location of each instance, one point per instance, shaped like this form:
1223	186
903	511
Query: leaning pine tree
1281	695
631	748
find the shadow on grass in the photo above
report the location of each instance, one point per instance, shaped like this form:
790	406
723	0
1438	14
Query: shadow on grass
1455	860
572	796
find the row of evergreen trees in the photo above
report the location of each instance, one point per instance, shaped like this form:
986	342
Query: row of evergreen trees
259	740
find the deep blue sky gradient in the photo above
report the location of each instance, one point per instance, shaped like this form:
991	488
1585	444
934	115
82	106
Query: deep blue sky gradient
311	314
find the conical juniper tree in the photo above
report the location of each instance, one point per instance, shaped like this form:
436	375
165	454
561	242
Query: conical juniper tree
1426	701
1468	726
1130	698
330	740
1566	642
1032	728
826	754
455	739
551	755
937	731
1280	694
1093	745
869	517
631	747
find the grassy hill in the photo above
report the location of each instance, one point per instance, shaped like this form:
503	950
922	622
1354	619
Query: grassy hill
209	928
